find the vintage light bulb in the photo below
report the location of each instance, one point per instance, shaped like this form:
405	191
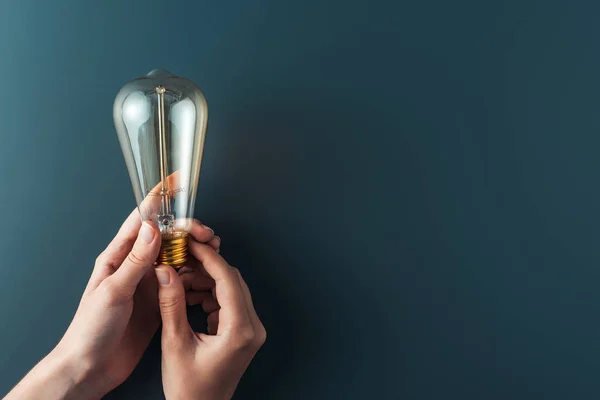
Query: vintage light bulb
161	124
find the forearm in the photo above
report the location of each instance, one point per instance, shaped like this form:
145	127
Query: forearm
54	377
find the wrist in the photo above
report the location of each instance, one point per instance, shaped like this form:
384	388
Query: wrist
74	376
56	376
78	377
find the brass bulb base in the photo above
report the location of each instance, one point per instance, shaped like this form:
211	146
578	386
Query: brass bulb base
173	249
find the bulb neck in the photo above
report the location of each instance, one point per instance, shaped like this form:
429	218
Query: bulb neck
173	249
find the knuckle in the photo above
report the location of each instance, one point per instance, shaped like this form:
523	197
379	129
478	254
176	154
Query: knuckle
245	338
111	294
102	258
135	259
261	336
235	273
169	305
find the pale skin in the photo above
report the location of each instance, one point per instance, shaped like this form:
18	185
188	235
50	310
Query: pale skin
121	309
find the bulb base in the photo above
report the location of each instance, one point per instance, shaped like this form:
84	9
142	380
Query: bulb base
173	249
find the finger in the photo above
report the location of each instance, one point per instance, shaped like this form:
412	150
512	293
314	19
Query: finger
195	265
194	298
116	251
251	311
139	260
215	243
151	205
209	304
212	323
126	234
184	270
201	233
171	301
197	282
229	294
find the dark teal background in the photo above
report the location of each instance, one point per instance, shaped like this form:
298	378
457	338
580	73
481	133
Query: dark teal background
409	188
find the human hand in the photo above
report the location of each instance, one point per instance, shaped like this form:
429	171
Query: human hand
116	319
197	365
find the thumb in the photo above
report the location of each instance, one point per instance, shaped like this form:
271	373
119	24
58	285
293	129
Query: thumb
140	259
171	300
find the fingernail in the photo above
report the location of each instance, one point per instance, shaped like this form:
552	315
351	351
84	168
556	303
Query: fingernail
163	277
206	227
147	232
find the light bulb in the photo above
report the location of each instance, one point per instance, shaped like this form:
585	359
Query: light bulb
161	124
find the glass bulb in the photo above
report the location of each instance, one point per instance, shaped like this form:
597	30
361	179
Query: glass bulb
161	124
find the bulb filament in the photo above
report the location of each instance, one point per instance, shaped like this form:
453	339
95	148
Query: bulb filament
164	192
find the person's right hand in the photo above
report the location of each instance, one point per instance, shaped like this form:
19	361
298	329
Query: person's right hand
197	365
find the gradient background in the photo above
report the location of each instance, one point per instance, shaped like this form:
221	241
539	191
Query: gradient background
410	188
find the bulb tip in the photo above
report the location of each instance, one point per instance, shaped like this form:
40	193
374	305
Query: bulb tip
159	72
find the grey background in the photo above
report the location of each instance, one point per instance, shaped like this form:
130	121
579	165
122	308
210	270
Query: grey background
410	188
